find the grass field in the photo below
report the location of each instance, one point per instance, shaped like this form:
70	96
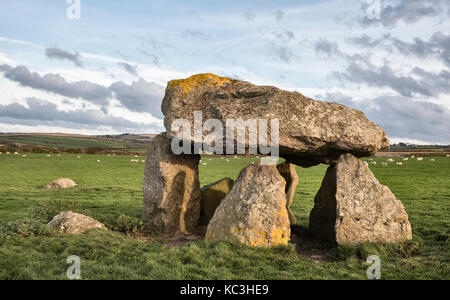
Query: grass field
76	142
111	191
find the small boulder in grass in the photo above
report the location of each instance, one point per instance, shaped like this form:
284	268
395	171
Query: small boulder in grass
73	223
62	183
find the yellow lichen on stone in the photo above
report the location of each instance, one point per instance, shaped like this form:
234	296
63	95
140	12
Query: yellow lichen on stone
189	84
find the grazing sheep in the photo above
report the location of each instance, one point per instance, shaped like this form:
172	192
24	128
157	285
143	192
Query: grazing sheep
384	164
24	156
134	160
143	161
78	156
432	160
419	158
399	164
16	153
373	163
8	153
390	160
412	156
406	159
205	164
448	155
48	155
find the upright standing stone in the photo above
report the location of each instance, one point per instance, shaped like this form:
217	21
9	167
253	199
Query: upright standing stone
254	212
289	174
352	207
212	196
171	188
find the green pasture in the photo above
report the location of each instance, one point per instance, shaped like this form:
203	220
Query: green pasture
111	192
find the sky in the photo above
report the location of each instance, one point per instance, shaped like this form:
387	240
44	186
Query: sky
101	66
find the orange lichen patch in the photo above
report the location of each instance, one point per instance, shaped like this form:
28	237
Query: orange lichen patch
258	238
189	84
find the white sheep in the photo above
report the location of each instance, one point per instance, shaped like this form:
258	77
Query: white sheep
205	164
419	158
432	160
399	164
448	155
390	160
405	159
373	163
384	164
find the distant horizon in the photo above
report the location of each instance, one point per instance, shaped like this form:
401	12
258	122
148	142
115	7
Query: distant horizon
154	134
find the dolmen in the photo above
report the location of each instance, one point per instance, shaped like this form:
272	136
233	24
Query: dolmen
351	206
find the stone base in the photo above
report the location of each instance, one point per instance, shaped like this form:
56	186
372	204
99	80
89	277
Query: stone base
289	174
171	188
254	212
352	207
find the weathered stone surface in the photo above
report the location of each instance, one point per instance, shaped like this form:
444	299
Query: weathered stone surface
288	172
73	223
311	132
171	188
62	183
353	207
254	212
212	196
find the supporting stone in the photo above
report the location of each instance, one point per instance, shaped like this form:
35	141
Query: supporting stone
212	196
254	212
171	188
352	207
289	174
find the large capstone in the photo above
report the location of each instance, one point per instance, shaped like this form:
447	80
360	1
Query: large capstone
289	174
310	131
352	207
254	212
171	188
